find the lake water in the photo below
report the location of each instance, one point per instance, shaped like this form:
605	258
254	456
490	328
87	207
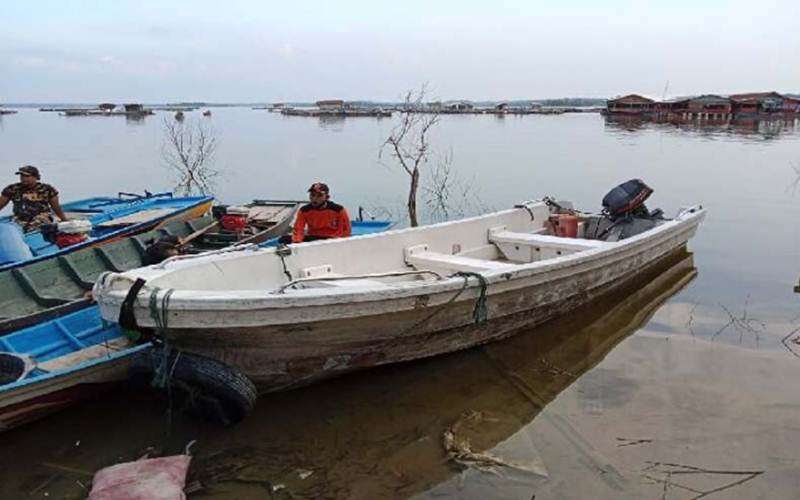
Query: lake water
683	383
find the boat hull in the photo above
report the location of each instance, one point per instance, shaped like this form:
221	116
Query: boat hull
27	402
279	355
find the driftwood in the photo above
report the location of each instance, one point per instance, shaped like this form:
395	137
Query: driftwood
675	469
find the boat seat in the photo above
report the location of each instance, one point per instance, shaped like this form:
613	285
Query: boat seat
421	258
576	244
529	247
326	271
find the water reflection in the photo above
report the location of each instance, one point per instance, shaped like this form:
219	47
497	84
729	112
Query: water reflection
134	120
333	123
375	434
749	128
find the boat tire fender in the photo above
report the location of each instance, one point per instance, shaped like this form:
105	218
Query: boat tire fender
201	386
127	319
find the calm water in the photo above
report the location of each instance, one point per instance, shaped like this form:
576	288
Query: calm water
687	368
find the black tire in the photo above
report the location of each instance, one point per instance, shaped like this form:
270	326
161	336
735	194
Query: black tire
12	367
199	385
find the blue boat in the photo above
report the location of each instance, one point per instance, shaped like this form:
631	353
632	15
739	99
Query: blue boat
110	218
358	228
51	365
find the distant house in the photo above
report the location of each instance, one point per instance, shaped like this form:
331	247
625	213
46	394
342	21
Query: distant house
459	106
676	105
710	104
331	105
433	106
107	106
134	108
791	104
632	104
703	106
757	102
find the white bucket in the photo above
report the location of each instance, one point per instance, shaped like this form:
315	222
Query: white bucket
237	210
78	226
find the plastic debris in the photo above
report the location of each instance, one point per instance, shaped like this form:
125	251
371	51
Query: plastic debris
149	479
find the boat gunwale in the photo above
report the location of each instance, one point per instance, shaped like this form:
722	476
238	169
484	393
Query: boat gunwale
259	300
113	235
73	369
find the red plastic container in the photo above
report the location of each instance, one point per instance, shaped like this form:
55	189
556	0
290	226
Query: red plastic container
566	226
234	222
64	239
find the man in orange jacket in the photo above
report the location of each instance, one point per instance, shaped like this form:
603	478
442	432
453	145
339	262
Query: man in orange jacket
321	219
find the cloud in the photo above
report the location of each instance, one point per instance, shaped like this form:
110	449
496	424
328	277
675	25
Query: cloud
109	60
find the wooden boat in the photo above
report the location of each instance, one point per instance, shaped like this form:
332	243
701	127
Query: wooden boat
76	355
68	359
336	306
111	218
48	288
260	221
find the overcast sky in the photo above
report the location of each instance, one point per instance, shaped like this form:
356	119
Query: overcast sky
247	51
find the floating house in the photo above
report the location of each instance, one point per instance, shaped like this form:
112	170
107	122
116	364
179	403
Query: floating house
458	106
134	108
107	106
632	104
791	104
707	107
757	103
331	105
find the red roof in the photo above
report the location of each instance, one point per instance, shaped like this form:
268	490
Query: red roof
754	96
632	98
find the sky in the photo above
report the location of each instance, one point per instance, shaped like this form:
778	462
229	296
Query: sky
262	51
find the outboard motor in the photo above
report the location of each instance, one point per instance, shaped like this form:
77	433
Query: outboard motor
626	199
624	213
72	232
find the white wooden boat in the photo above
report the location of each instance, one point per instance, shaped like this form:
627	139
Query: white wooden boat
340	305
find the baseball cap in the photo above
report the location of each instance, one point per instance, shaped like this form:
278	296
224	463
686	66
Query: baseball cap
29	170
319	187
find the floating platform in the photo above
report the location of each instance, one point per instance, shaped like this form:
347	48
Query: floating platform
323	113
98	112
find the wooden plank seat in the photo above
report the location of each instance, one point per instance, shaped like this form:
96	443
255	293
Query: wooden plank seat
137	217
575	244
421	258
530	247
319	273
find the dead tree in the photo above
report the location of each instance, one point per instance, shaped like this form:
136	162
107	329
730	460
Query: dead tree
188	150
409	143
447	194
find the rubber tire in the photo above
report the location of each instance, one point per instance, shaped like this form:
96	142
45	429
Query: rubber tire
201	386
12	367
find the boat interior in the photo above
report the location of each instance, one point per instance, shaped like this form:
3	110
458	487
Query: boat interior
491	243
57	345
109	215
50	283
262	217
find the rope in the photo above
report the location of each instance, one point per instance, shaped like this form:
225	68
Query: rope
284	251
480	313
163	372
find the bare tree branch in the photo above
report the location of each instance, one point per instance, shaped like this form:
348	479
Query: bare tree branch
408	144
188	149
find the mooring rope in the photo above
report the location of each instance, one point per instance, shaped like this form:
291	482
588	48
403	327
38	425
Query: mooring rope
163	372
480	313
